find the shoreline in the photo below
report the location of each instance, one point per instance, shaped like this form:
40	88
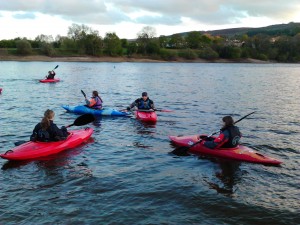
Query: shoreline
122	59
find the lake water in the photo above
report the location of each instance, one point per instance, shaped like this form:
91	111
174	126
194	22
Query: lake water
126	174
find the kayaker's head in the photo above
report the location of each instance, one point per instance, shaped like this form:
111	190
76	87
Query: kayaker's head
144	95
49	72
48	115
227	121
95	94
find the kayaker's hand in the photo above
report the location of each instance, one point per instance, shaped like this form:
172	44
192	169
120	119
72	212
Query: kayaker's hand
63	128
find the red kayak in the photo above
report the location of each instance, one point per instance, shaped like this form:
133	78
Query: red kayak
50	80
34	150
147	116
240	153
0	90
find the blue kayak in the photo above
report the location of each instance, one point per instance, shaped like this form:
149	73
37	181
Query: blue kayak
81	109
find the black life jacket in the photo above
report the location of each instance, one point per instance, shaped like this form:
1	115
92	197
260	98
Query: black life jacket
234	137
144	104
43	135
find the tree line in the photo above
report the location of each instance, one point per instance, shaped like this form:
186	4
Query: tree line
83	40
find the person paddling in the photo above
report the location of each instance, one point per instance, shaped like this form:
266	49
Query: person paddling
51	75
142	103
47	131
228	138
95	102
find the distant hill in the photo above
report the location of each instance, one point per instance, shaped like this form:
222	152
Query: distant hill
289	29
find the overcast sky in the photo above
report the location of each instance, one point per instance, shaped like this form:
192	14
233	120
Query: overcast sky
29	18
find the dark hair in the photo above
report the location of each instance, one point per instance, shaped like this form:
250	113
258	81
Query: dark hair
144	94
228	120
95	93
45	123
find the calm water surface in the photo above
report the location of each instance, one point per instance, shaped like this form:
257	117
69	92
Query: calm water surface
126	174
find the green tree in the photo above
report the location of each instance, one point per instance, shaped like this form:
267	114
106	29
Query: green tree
132	48
76	31
112	44
87	40
168	54
230	52
193	39
144	37
153	47
124	43
187	54
47	49
177	42
23	47
68	45
208	53
7	44
92	44
163	41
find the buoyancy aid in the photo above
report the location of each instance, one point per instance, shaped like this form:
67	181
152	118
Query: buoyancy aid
98	104
144	104
234	137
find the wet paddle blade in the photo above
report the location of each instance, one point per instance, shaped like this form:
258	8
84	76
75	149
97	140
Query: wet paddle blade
83	93
181	151
19	143
83	120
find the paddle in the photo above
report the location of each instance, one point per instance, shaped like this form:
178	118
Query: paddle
83	93
184	149
149	110
79	121
83	120
163	110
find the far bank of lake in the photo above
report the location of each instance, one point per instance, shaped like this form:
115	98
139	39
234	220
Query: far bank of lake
120	59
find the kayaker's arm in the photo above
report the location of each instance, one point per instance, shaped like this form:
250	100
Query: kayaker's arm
135	103
152	105
90	102
59	133
33	136
218	141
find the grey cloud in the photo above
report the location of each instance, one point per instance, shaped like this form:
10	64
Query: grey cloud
214	11
170	11
24	16
154	20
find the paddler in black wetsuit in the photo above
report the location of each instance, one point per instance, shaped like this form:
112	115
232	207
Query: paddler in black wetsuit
47	131
51	75
228	138
142	103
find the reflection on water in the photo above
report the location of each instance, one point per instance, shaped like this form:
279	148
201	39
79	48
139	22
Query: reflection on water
229	175
125	174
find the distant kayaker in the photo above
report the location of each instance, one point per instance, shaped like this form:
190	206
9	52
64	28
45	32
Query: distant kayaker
142	103
47	131
51	74
95	102
228	138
